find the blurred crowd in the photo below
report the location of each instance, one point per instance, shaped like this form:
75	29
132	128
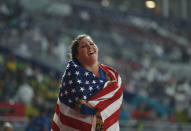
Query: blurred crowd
27	82
154	66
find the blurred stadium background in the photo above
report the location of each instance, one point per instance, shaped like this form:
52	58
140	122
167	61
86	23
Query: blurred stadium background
148	42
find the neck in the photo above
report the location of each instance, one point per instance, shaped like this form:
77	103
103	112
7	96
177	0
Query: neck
94	67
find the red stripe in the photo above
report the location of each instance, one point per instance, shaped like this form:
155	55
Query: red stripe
55	127
111	87
105	68
104	104
112	119
71	122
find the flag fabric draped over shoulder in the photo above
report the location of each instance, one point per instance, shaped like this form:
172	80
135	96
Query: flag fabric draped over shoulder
79	83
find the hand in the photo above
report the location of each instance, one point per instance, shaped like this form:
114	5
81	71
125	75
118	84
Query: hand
108	77
85	108
79	104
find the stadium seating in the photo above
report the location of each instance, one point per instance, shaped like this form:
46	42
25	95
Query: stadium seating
151	53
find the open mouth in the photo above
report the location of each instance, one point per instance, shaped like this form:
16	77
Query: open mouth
91	52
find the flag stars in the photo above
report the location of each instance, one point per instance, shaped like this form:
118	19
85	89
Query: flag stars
76	98
65	92
86	74
64	84
97	87
84	97
70	101
61	94
68	66
101	81
75	65
70	82
90	88
63	75
87	82
77	73
79	81
82	89
73	91
93	81
69	74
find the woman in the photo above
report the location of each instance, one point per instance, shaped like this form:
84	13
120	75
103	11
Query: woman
90	96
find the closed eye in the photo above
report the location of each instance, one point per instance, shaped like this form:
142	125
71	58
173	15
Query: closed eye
90	44
83	46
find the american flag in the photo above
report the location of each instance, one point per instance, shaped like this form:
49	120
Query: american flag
79	83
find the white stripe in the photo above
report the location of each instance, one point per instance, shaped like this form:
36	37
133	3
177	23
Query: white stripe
119	81
93	103
107	96
119	78
66	110
96	101
113	73
107	112
114	127
62	127
112	108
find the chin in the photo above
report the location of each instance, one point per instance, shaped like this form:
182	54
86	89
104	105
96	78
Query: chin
93	60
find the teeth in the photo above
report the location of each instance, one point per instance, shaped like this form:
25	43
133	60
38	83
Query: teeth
91	52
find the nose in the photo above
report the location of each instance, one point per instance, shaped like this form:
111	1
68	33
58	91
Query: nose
89	46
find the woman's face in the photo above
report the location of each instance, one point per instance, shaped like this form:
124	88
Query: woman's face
87	51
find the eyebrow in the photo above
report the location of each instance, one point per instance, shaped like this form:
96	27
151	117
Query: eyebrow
83	44
88	42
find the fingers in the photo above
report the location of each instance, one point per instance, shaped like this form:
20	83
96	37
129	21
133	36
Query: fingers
79	104
108	77
84	108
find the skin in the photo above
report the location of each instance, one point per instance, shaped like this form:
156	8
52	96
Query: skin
88	55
